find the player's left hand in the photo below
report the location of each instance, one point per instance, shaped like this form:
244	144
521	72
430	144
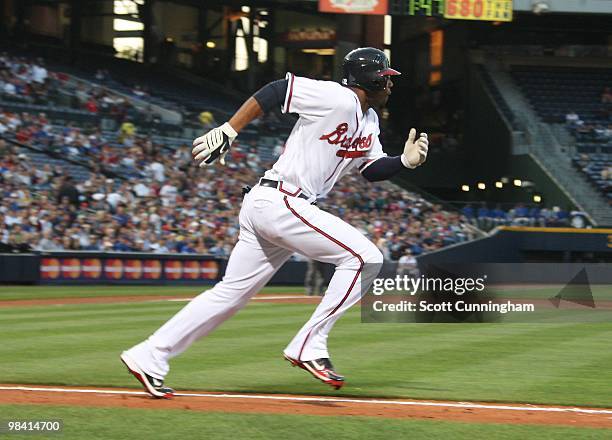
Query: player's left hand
415	151
213	145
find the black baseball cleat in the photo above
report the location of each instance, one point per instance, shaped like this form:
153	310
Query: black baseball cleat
153	386
321	369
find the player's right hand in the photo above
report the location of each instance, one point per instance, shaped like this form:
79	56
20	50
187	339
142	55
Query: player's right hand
213	145
415	151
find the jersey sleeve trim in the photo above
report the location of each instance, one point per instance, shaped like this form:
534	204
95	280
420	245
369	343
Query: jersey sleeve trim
290	78
367	164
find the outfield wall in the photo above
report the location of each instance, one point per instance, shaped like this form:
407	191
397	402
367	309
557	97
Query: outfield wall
109	268
19	268
528	255
517	244
509	246
79	268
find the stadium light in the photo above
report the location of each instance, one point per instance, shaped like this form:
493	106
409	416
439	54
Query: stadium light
499	184
539	7
481	185
465	188
537	198
330	51
387	30
517	182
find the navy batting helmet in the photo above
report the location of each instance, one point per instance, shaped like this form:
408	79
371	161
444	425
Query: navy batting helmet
366	68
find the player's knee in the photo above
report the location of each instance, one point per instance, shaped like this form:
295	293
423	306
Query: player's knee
374	261
373	256
370	257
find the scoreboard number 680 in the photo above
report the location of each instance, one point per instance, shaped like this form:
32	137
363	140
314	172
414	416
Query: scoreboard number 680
494	10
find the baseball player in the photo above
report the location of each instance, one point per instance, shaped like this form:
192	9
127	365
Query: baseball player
336	133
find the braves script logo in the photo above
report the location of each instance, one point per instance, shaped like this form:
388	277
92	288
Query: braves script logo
359	145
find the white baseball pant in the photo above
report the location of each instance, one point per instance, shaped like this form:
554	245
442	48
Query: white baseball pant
273	225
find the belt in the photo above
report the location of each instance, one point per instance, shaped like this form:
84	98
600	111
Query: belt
278	185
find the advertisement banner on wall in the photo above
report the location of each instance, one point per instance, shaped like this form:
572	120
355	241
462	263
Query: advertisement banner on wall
370	7
109	269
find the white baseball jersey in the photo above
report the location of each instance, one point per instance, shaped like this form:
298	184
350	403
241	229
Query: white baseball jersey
331	137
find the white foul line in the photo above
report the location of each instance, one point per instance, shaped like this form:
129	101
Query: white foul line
265	297
328	399
256	298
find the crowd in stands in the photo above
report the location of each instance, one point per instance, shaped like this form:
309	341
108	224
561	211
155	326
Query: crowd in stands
598	129
588	132
163	203
142	196
486	218
24	80
597	168
594	144
395	220
172	206
29	81
585	161
35	129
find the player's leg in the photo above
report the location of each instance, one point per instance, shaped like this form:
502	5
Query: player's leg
345	290
250	266
324	237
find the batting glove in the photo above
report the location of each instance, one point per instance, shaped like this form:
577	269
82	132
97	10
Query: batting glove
415	152
213	145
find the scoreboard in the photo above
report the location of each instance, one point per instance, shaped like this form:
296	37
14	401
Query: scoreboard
490	10
493	10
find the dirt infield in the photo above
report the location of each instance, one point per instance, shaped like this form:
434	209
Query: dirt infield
294	299
310	405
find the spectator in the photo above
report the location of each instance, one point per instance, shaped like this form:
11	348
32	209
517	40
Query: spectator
39	72
169	193
499	215
68	191
127	132
47	243
207	120
157	170
141	189
572	119
407	265
91	106
484	218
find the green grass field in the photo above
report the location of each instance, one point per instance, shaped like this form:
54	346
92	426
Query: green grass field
105	423
37	292
560	363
